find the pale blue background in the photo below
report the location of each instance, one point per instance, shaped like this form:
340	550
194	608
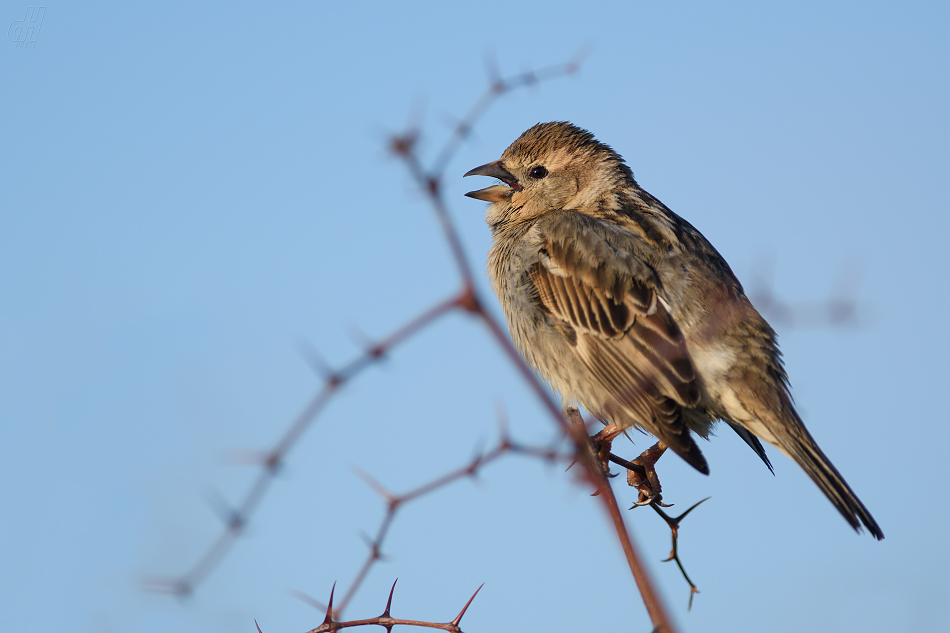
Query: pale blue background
188	192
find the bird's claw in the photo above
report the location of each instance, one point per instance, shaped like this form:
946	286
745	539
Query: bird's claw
648	484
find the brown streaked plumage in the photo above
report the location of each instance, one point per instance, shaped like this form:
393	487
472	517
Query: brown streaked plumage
626	309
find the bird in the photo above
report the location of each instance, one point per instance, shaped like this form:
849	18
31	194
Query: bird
627	310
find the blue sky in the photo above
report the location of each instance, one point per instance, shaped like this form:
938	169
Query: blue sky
191	191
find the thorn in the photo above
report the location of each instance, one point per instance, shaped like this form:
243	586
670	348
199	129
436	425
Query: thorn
477	460
373	547
258	626
373	349
329	618
389	603
268	460
366	539
574	64
377	487
459	127
313	602
232	519
171	586
244	457
458	618
690	509
359	337
317	362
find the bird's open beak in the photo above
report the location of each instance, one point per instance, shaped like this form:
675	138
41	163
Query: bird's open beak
495	193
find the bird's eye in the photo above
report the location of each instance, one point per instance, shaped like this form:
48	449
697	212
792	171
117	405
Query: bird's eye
538	172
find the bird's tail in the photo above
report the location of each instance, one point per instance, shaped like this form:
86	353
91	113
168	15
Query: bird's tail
801	447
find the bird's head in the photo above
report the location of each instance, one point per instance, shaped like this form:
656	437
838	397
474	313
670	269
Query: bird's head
551	166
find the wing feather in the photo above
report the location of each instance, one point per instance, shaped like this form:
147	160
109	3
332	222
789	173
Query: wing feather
624	334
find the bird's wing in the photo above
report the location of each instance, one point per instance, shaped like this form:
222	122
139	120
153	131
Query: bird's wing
604	300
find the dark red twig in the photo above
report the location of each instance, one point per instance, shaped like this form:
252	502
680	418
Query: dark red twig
674	523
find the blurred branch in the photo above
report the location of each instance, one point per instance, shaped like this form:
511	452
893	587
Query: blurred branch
498	86
235	521
840	309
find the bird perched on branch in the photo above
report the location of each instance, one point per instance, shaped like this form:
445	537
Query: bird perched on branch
627	310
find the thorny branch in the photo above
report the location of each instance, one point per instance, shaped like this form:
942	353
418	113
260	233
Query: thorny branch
386	620
674	523
469	300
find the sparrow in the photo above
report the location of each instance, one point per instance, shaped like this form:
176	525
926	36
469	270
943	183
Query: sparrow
625	309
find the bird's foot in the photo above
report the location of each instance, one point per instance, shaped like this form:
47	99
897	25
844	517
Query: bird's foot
601	444
648	483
